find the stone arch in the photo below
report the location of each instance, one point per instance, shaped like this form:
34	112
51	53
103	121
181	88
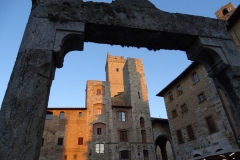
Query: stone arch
161	142
212	58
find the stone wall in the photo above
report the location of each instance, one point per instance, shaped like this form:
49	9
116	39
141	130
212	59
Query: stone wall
204	142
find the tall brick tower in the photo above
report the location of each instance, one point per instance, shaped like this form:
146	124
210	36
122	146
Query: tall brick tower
114	73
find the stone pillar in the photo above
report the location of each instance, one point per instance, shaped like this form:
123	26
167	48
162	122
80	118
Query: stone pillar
23	111
222	62
164	155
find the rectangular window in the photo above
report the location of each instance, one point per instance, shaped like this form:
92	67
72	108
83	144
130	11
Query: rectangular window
99	131
170	96
179	90
42	141
99	111
139	95
211	125
184	108
121	116
65	157
99	92
49	115
80	140
60	141
190	132
144	138
80	114
99	148
145	154
195	77
179	136
123	136
174	113
201	97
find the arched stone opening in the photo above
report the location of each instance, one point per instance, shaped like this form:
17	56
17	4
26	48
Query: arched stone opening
164	146
50	34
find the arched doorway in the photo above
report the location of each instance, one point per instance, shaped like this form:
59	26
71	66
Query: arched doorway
163	148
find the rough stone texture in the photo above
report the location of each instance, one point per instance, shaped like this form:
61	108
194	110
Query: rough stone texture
100	23
72	126
23	122
205	143
161	30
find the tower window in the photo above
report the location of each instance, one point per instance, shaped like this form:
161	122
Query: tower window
142	122
121	116
139	95
99	91
144	138
190	132
99	148
123	136
60	141
225	11
117	69
99	111
99	131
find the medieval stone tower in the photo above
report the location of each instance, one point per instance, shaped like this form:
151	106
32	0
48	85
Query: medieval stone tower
119	119
115	124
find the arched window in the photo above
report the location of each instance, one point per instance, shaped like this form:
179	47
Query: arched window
61	115
142	122
225	11
80	114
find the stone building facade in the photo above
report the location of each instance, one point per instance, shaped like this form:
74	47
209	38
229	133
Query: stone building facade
198	116
115	124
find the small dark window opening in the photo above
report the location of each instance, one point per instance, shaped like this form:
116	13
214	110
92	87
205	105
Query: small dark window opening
80	140
142	125
65	157
117	69
99	131
139	95
184	108
179	136
174	113
225	11
211	125
124	154
60	142
49	115
145	154
144	138
190	132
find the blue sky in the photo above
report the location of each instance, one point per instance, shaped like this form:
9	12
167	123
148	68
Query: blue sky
68	88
